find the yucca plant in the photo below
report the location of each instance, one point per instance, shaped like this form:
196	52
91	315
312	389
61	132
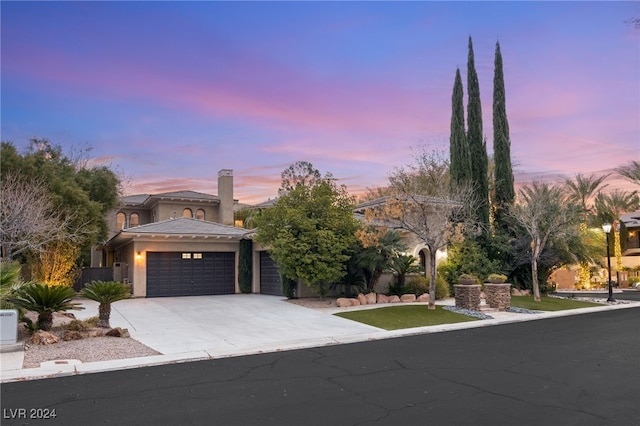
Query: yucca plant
105	293
45	300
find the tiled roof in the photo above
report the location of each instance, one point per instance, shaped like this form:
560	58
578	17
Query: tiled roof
193	195
142	199
186	226
631	220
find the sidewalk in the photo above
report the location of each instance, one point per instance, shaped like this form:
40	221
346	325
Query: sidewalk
245	334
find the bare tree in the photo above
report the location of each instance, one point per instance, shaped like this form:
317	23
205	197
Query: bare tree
424	203
28	219
544	211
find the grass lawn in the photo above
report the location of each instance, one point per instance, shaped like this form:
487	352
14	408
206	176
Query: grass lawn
397	317
549	303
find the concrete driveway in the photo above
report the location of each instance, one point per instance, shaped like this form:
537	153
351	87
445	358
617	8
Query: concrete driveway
228	325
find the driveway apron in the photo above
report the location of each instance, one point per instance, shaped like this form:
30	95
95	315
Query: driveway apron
227	324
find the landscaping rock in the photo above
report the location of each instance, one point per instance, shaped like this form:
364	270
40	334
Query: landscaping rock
382	298
362	299
394	299
371	298
343	302
354	302
526	292
515	292
118	332
71	335
407	298
42	337
424	297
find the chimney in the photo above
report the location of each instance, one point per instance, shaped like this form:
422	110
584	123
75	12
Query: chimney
225	193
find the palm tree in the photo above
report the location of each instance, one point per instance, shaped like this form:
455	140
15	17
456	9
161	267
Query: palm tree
403	264
45	300
375	258
105	293
582	190
631	171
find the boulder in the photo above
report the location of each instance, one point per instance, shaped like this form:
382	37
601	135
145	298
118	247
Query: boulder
424	297
343	302
515	292
382	298
354	302
407	298
394	299
526	292
371	298
42	337
362	299
71	335
117	332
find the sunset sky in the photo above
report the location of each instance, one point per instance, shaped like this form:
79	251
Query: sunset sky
168	93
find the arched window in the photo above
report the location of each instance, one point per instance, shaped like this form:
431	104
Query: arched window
134	220
187	213
121	221
200	214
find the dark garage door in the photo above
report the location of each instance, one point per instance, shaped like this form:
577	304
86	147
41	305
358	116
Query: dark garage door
269	276
190	274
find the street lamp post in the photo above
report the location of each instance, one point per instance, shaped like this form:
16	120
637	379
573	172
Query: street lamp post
607	229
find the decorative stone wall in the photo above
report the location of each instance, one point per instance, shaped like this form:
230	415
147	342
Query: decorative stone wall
468	296
498	296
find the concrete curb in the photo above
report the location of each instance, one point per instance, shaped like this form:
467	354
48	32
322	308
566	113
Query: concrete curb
62	368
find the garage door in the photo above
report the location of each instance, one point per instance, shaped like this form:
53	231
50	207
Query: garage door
190	274
269	276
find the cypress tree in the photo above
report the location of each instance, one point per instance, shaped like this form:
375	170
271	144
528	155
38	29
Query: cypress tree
460	161
503	173
476	142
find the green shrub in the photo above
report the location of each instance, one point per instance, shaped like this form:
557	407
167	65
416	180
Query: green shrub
497	278
418	285
442	288
10	281
288	287
245	266
45	300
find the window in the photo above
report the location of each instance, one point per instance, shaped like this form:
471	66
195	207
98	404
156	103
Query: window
187	213
197	255
186	255
200	214
121	221
134	219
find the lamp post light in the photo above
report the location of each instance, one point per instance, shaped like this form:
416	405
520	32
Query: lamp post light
606	227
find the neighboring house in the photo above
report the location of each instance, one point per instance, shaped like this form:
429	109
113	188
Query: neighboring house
181	243
632	223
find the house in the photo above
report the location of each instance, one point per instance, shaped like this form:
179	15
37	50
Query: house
181	243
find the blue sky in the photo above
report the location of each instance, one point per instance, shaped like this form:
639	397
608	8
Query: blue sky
168	93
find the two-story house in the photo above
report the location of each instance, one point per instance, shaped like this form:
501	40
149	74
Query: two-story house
181	243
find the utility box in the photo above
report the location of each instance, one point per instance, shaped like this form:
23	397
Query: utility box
8	326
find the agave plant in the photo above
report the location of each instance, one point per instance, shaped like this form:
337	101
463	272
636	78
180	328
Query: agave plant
106	293
45	300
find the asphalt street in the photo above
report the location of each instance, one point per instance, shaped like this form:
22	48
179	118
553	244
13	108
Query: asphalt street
577	370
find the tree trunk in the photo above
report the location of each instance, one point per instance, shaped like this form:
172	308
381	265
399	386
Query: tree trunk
104	312
375	276
45	321
432	283
534	278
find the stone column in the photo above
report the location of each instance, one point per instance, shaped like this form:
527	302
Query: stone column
468	296
498	296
